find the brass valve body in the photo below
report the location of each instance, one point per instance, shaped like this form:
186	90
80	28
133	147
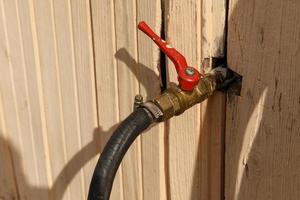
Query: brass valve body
175	101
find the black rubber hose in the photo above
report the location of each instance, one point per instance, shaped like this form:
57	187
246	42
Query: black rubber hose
114	151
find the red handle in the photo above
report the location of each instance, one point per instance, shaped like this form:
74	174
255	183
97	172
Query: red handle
188	77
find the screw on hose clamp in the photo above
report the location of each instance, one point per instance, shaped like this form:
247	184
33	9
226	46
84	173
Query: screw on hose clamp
150	107
154	109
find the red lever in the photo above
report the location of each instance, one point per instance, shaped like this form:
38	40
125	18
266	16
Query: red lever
188	77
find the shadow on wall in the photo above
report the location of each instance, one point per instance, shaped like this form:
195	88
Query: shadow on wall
262	127
205	137
13	161
144	74
262	152
262	132
11	157
59	187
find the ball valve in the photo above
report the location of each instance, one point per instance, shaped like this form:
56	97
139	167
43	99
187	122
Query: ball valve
188	77
193	88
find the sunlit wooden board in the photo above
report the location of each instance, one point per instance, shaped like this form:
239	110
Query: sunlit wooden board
149	63
195	139
262	126
104	42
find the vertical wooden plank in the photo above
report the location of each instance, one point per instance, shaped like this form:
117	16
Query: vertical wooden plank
211	155
86	85
9	185
213	28
62	19
27	30
128	68
153	152
51	88
29	172
262	126
183	32
14	40
197	29
106	75
126	40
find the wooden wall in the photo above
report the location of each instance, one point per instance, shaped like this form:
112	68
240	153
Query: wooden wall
48	99
69	70
262	126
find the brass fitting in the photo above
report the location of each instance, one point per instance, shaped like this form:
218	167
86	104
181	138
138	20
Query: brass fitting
175	101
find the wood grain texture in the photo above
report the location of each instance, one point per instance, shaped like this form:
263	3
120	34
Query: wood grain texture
128	87
51	86
196	139
10	191
262	126
46	115
211	154
183	30
104	42
153	148
69	93
7	172
26	23
213	28
84	72
69	71
21	100
105	64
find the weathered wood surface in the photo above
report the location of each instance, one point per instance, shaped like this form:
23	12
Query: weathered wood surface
183	27
213	110
195	145
153	143
69	71
262	126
